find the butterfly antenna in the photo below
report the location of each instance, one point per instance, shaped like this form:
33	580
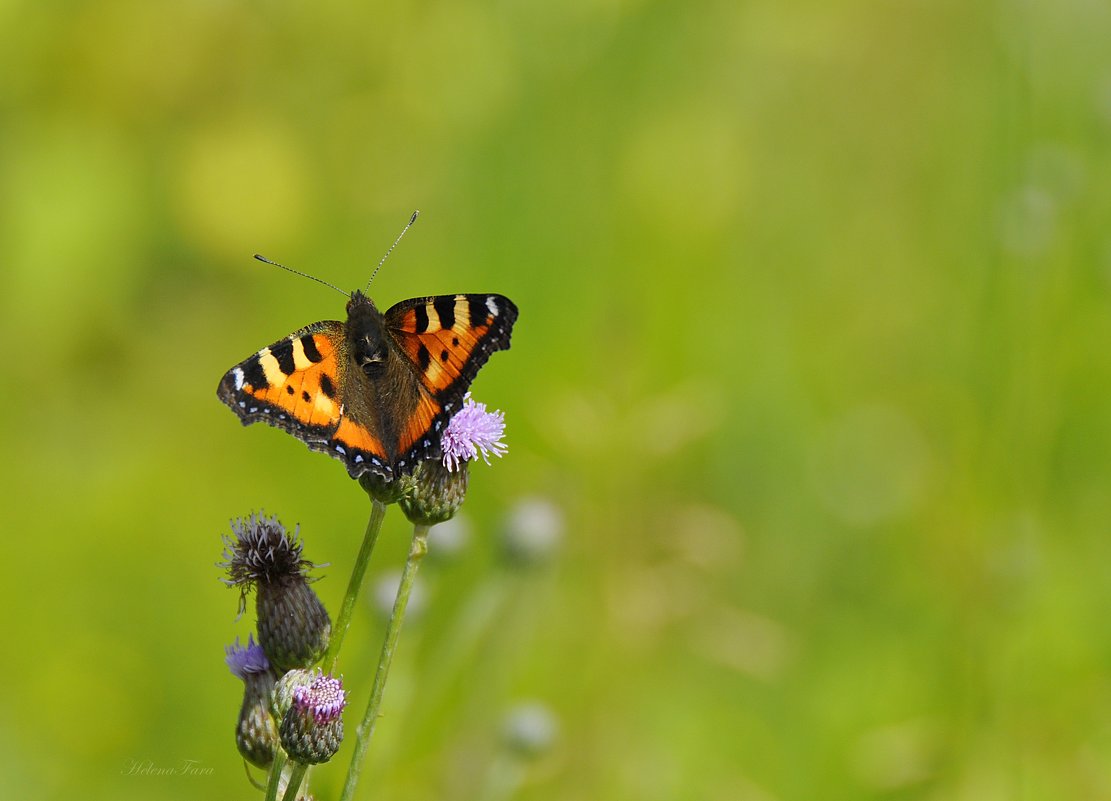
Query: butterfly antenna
408	225
303	275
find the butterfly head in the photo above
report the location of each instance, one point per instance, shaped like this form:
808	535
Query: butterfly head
366	334
359	303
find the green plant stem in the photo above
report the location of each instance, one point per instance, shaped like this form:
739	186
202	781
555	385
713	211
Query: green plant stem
275	775
417	550
343	622
295	777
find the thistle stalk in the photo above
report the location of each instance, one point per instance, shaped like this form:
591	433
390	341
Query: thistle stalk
275	776
354	584
365	731
295	777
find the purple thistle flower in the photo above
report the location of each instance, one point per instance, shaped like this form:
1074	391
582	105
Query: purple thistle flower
256	733
324	699
473	431
245	661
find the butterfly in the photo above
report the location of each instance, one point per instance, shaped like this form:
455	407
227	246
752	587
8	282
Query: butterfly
377	390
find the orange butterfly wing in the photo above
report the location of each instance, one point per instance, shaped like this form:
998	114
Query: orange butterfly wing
446	339
296	384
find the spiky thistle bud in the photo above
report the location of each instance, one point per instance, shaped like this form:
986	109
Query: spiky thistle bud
293	625
312	726
256	734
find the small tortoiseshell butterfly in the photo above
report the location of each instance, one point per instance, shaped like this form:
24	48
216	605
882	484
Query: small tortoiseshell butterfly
376	391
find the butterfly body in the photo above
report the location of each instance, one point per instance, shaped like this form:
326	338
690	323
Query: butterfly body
377	390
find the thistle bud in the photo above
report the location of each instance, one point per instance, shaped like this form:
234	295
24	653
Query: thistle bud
383	490
434	492
312	727
293	625
256	735
281	699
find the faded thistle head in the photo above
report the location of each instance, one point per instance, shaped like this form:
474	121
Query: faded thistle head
293	625
261	552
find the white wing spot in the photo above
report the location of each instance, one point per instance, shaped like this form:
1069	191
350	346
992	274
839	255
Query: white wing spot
238	375
340	449
492	305
358	458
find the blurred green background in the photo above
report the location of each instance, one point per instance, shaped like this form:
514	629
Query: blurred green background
807	404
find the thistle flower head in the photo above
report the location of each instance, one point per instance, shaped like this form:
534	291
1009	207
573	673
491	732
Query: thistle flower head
293	625
473	432
262	551
256	733
323	699
312	724
244	661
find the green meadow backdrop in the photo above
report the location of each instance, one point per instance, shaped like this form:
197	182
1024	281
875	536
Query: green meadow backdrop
807	493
